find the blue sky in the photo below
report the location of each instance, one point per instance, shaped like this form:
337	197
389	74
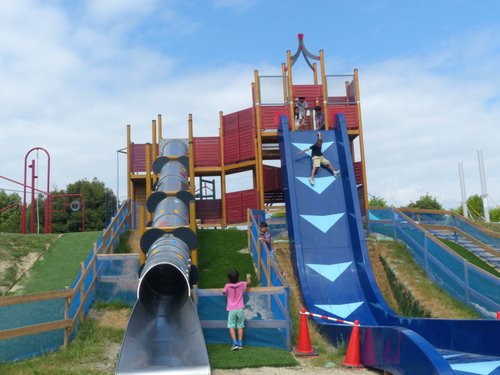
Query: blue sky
73	74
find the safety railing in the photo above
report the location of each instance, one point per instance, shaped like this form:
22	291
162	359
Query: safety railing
267	314
273	90
34	324
453	273
341	89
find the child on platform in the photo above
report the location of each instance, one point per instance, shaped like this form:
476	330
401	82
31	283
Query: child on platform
234	290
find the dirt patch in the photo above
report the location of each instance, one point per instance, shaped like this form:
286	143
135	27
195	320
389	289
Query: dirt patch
23	265
117	319
375	249
244	251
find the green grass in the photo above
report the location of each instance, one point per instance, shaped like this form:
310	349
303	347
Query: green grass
470	257
13	247
124	245
432	298
60	265
248	357
219	252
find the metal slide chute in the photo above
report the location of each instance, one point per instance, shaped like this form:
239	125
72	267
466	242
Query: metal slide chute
164	334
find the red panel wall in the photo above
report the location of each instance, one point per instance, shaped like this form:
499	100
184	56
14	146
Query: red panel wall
270	116
209	210
138	157
237	204
350	112
272	178
358	172
239	136
312	93
206	151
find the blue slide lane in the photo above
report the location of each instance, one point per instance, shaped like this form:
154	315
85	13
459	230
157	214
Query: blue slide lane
331	261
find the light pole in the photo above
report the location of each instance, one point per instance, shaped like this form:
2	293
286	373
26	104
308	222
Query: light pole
118	152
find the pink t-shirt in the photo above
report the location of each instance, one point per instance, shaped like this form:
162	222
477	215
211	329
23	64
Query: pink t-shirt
234	294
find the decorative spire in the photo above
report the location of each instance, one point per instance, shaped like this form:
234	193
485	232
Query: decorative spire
302	49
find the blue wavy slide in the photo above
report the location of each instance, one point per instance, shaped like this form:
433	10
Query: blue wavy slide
331	261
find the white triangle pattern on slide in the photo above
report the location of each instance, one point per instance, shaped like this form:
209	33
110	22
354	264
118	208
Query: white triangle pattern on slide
342	311
303	146
323	222
480	368
330	271
320	183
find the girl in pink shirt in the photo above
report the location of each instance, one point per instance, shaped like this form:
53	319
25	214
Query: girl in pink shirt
234	291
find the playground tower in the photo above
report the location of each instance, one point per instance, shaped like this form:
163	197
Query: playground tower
248	139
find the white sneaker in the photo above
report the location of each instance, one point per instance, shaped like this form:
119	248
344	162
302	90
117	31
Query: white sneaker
311	181
336	173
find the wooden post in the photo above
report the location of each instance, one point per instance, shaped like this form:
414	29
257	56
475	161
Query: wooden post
325	92
315	72
82	291
290	90
192	225
129	180
160	131
142	256
361	142
154	148
258	144
286	99
191	155
67	330
222	171
148	176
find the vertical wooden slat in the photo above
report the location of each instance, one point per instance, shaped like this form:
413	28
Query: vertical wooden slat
325	93
191	155
290	90
361	142
222	170
82	290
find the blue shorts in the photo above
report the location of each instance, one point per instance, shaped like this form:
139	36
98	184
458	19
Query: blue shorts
235	319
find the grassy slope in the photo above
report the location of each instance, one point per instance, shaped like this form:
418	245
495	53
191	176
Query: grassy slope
470	257
89	353
436	301
219	252
14	248
60	265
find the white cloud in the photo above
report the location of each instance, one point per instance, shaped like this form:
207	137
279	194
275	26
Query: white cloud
71	82
419	124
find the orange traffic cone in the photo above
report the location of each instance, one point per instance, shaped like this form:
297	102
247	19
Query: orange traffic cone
352	355
304	347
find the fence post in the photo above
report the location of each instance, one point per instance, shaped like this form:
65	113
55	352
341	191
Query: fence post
82	290
426	257
67	330
394	223
466	282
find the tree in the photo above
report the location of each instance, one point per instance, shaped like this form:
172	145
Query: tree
100	205
376	201
10	218
426	202
495	214
474	206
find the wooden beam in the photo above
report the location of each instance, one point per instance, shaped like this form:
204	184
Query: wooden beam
36	328
43	296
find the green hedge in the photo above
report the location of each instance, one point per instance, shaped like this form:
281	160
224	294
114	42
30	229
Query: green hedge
407	303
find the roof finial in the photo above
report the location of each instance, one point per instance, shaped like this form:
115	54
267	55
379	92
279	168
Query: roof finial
302	49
